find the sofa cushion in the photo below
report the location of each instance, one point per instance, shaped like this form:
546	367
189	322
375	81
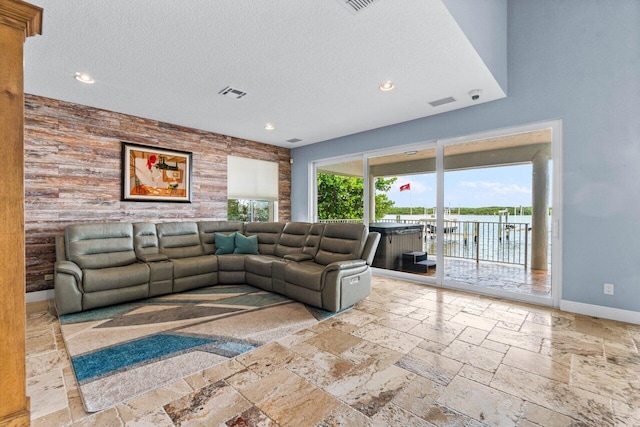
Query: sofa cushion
231	262
307	274
341	242
246	244
179	239
145	239
268	235
312	242
225	243
103	279
292	239
194	266
100	245
260	264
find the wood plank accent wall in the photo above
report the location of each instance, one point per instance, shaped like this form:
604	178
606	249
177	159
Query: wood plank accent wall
72	173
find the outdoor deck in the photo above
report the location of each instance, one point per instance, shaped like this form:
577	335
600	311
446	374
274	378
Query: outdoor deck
507	277
498	257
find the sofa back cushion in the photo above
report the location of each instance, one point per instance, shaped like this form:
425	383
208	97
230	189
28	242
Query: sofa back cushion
268	235
179	239
100	245
292	239
312	242
207	229
145	239
341	242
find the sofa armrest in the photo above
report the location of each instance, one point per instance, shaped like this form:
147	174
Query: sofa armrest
345	265
298	257
153	258
343	283
67	279
71	268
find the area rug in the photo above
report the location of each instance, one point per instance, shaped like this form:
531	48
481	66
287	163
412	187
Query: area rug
122	351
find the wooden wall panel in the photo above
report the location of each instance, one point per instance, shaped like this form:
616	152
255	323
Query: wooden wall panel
72	173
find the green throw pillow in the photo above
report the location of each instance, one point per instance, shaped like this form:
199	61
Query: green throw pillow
225	243
246	245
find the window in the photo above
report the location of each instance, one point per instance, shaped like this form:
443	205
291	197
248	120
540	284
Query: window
251	210
252	189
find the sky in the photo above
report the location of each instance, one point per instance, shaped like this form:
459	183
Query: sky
498	186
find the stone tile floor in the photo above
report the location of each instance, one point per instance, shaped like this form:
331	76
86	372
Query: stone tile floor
409	355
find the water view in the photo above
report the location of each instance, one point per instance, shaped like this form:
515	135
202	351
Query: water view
494	238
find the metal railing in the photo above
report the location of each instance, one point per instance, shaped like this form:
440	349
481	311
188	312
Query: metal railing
342	221
483	241
477	240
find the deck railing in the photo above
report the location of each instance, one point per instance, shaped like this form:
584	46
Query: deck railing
343	221
477	240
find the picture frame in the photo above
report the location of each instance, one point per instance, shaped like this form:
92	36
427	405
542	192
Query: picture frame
155	174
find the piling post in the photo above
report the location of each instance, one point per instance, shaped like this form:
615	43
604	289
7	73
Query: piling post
477	239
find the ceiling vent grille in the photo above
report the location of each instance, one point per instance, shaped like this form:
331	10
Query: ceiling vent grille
294	140
357	5
229	91
442	101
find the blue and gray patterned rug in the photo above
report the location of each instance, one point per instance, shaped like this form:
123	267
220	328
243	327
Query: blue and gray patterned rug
122	351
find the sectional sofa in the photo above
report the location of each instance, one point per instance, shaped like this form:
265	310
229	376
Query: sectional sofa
323	265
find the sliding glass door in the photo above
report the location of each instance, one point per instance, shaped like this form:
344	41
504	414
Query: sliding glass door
468	213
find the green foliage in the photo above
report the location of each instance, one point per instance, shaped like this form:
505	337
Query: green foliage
341	197
241	210
383	203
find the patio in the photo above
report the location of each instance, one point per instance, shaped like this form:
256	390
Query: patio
506	277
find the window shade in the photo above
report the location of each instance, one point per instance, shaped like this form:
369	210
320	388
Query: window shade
251	179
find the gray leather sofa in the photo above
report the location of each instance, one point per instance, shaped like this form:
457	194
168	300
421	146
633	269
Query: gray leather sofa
100	264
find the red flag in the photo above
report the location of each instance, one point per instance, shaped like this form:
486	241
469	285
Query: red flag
405	187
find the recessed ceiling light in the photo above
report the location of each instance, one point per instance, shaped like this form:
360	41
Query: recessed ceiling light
410	153
84	78
387	86
269	126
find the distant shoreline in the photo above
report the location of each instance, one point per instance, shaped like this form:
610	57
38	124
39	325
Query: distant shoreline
486	210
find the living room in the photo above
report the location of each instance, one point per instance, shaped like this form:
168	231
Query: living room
570	63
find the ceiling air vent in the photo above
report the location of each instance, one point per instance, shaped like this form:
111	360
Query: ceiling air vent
229	91
442	101
357	5
294	140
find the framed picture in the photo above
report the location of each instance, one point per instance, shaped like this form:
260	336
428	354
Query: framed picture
153	174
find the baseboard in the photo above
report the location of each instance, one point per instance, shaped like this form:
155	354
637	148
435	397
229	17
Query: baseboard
627	316
40	295
17	419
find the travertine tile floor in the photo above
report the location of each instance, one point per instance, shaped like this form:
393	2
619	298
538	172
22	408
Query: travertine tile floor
409	355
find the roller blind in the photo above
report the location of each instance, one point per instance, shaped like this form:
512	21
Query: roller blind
251	179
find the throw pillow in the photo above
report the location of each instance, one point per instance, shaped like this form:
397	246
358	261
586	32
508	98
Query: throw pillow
246	245
225	243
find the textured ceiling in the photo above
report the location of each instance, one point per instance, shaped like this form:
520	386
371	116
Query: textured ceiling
310	67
